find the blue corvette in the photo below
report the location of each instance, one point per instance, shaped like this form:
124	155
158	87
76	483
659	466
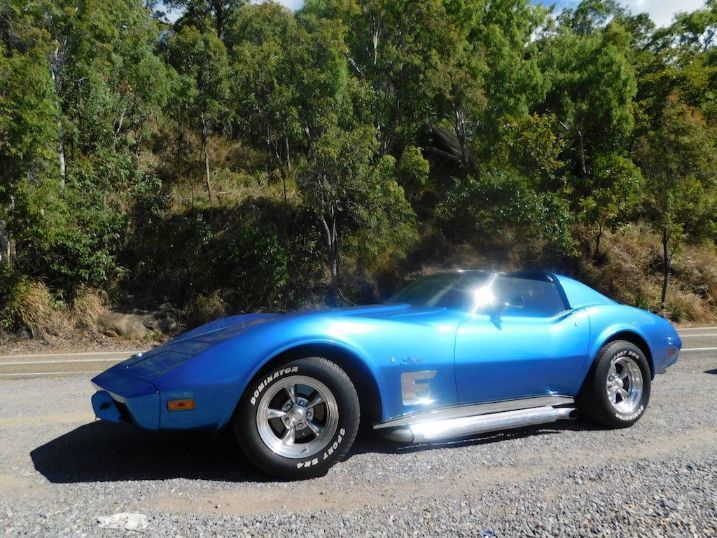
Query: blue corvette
452	355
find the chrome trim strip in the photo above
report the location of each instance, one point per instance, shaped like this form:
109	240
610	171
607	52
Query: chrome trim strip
439	430
460	411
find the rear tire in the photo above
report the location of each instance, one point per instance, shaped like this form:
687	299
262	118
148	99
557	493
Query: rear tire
617	389
298	419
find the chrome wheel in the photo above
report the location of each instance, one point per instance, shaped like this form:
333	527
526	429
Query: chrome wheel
297	417
624	384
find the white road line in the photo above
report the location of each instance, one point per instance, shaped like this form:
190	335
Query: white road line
698	335
24	374
40	355
696	329
55	362
699	349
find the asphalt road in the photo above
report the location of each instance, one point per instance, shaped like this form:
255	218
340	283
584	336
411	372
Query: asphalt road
61	472
58	364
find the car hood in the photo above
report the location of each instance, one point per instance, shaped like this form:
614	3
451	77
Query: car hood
152	364
222	329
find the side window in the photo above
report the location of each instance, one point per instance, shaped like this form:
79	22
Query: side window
528	297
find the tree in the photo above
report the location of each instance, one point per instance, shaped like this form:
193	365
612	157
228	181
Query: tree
201	59
412	171
348	189
318	73
614	194
591	15
28	131
489	123
206	14
503	33
263	95
592	87
589	67
395	47
83	82
678	162
503	204
459	88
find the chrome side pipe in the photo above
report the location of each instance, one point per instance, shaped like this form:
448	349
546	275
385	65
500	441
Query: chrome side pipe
438	430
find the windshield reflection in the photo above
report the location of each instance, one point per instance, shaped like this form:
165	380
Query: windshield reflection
461	291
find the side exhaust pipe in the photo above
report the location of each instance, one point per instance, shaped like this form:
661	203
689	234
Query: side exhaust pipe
426	432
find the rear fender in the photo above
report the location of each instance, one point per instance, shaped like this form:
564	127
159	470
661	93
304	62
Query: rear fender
604	328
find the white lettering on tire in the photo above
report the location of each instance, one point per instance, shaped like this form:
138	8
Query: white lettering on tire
632	415
269	379
327	453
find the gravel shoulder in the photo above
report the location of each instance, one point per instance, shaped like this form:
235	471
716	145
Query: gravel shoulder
61	471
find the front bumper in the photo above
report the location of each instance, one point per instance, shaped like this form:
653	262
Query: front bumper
668	361
124	398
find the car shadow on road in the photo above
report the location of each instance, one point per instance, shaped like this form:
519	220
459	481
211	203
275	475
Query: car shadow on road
103	452
713	371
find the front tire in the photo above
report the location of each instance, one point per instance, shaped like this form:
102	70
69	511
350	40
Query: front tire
298	419
617	389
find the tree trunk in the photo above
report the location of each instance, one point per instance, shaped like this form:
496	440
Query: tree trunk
665	268
205	149
57	63
581	154
597	241
460	129
374	40
219	18
288	154
334	261
5	242
61	154
332	255
283	172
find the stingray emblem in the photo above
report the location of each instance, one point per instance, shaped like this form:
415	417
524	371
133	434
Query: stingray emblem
415	387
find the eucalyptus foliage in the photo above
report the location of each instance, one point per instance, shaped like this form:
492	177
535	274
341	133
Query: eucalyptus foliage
273	158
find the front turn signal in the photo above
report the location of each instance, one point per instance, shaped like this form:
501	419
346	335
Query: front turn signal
181	405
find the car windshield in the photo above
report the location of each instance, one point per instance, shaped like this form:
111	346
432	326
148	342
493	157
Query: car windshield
512	294
448	290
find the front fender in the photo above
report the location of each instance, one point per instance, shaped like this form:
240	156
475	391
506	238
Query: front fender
218	376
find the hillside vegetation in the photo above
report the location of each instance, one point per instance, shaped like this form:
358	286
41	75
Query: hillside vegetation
249	158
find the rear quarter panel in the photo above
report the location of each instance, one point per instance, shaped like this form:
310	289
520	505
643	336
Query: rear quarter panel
608	320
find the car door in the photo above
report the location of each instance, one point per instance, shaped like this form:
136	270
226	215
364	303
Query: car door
522	340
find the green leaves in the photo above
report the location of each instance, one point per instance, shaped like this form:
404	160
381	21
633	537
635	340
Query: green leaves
591	92
354	192
679	163
502	206
348	131
201	59
28	119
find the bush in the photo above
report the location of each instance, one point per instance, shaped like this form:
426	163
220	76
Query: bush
87	307
234	253
684	307
30	305
68	237
204	308
502	204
